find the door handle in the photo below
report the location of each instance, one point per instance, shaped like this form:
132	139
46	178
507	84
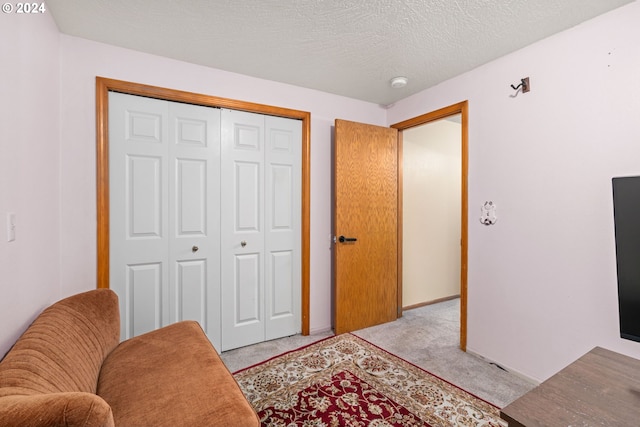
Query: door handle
343	239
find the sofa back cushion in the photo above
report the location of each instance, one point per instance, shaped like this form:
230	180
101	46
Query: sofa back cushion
63	349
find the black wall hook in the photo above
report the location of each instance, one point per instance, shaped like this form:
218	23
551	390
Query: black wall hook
524	83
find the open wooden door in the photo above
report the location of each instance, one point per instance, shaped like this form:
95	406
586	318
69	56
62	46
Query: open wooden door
365	225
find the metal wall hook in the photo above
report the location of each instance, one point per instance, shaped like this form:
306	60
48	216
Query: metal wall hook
524	83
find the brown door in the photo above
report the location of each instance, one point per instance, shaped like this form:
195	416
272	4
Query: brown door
365	209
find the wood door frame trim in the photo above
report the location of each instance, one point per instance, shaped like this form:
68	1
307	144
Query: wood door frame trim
461	108
106	85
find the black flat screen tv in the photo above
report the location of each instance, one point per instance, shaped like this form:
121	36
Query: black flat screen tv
626	213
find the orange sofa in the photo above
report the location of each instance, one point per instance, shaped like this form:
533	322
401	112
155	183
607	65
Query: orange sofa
69	369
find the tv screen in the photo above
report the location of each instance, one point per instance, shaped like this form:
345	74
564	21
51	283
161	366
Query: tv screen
626	212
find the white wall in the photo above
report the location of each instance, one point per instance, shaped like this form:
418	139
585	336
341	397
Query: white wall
431	180
542	280
29	170
82	61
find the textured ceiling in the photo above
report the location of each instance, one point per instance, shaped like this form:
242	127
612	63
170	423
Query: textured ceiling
346	47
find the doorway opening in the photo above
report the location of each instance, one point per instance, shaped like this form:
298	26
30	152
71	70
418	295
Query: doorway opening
456	263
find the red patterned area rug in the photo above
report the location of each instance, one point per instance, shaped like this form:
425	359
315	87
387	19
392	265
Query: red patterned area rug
347	381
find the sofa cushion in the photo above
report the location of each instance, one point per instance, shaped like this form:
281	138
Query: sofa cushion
55	410
143	380
63	349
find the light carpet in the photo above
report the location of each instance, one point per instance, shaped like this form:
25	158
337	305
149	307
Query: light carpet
347	381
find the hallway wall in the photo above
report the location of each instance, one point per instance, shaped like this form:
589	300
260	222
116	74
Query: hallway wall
431	187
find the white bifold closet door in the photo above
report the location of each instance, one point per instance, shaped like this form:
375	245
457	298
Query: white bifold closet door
261	237
164	185
171	255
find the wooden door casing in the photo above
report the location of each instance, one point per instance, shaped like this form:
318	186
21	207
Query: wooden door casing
461	108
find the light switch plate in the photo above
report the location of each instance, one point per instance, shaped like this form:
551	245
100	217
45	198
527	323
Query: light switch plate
488	216
11	227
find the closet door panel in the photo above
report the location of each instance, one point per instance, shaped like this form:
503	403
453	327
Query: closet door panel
164	213
246	290
139	210
242	210
191	198
143	298
283	178
194	250
191	290
247	198
282	295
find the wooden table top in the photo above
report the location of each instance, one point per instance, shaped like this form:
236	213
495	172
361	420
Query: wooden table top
602	388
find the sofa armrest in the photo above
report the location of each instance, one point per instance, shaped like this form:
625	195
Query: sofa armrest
55	410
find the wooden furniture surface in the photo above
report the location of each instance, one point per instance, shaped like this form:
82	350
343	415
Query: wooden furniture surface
602	388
